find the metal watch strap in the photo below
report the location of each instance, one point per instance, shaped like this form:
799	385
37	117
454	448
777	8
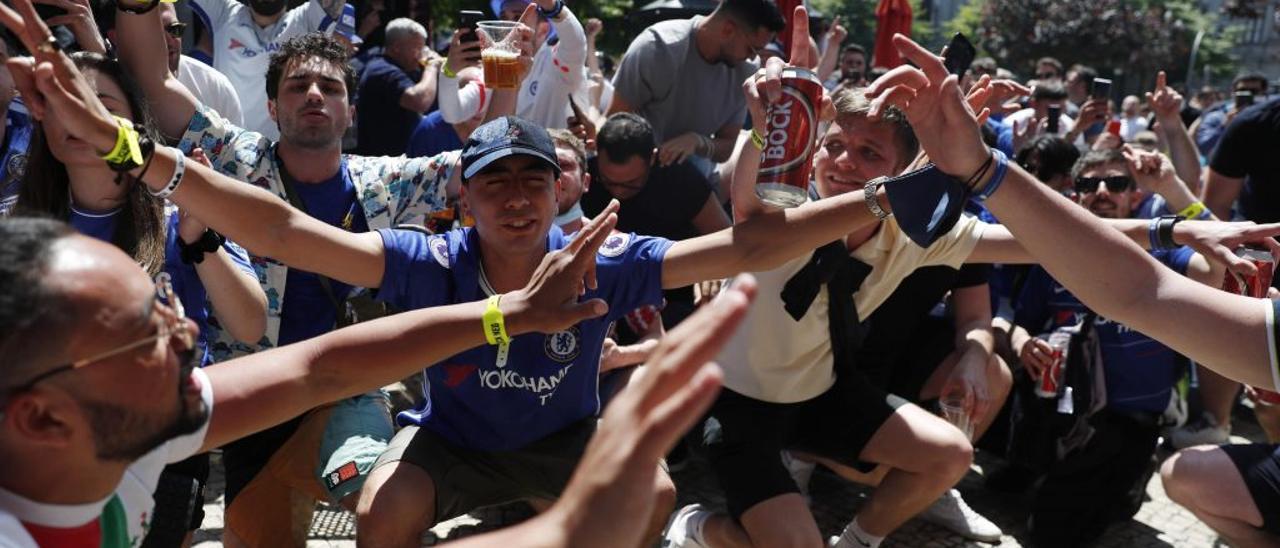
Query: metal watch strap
873	203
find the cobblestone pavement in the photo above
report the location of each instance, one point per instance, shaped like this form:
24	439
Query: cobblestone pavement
1160	522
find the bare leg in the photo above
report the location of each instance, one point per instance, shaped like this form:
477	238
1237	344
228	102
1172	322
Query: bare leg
925	456
1218	394
783	521
1204	480
999	383
397	505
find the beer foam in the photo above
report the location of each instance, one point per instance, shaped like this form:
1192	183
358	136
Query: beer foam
500	54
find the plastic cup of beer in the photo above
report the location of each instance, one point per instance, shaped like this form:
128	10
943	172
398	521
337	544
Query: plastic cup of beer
499	54
955	412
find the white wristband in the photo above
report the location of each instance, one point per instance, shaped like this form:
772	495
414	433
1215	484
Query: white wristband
179	169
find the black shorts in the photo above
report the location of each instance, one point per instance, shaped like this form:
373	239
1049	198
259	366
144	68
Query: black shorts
745	436
1259	465
466	479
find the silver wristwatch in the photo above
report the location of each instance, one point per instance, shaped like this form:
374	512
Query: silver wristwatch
869	193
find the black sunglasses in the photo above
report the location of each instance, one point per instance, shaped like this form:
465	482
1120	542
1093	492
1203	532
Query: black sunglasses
175	29
1118	183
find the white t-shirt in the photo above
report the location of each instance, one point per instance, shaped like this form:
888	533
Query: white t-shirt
120	520
1025	116
775	358
242	49
211	87
557	71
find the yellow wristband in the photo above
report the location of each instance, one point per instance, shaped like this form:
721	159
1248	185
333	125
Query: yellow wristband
495	331
444	69
127	149
757	139
1192	211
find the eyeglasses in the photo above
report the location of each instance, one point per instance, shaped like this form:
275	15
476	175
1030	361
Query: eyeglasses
175	29
175	326
1118	183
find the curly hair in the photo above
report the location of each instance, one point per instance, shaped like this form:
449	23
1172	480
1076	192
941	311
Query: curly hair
307	46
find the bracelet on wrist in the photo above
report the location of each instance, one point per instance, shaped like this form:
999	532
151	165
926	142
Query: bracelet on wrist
1193	211
194	252
1001	163
179	169
554	13
495	329
127	152
757	139
446	71
1164	232
869	191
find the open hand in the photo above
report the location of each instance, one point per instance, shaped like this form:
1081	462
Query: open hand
1217	241
78	18
550	301
930	97
50	83
679	149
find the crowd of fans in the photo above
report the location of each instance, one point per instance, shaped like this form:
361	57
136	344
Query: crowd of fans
502	293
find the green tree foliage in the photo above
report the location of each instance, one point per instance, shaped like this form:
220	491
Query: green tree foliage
1118	37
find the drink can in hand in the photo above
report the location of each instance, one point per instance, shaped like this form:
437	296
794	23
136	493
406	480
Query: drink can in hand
790	130
1251	286
1051	377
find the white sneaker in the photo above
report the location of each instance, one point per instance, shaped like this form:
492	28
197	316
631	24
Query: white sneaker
680	534
950	511
1202	431
800	472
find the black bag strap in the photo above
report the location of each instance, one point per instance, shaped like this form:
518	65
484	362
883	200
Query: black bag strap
291	192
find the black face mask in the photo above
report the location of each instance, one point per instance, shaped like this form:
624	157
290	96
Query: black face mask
266	7
926	202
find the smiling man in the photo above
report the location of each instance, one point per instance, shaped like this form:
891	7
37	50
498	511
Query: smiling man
308	85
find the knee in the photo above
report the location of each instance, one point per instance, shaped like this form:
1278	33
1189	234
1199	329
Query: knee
1180	476
664	497
1000	380
954	454
395	504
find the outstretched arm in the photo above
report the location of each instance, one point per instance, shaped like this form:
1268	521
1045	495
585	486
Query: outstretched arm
142	50
266	388
1227	333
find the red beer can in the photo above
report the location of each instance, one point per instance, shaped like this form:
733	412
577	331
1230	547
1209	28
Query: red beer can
790	129
1051	377
1267	396
1251	286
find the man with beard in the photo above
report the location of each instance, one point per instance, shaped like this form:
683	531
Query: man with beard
1093	486
88	418
211	87
245	34
326	454
684	75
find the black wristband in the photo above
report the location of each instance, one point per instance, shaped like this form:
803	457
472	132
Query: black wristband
209	242
1164	231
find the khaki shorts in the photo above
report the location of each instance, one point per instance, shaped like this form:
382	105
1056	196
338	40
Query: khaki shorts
327	458
466	479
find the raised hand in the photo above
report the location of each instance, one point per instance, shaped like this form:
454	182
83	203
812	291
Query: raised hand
462	54
78	18
1165	102
930	97
1150	169
550	301
765	86
51	84
836	33
664	398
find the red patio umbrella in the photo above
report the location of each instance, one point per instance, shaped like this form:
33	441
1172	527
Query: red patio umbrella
894	17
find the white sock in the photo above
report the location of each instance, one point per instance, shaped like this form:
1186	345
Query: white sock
695	523
854	537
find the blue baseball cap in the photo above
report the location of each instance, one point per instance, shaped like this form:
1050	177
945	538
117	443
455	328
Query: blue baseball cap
497	5
507	136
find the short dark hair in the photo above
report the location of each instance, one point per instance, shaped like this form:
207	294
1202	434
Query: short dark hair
27	304
1047	156
1085	73
853	48
1050	90
1251	77
625	135
1095	158
298	48
984	65
754	14
1056	64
